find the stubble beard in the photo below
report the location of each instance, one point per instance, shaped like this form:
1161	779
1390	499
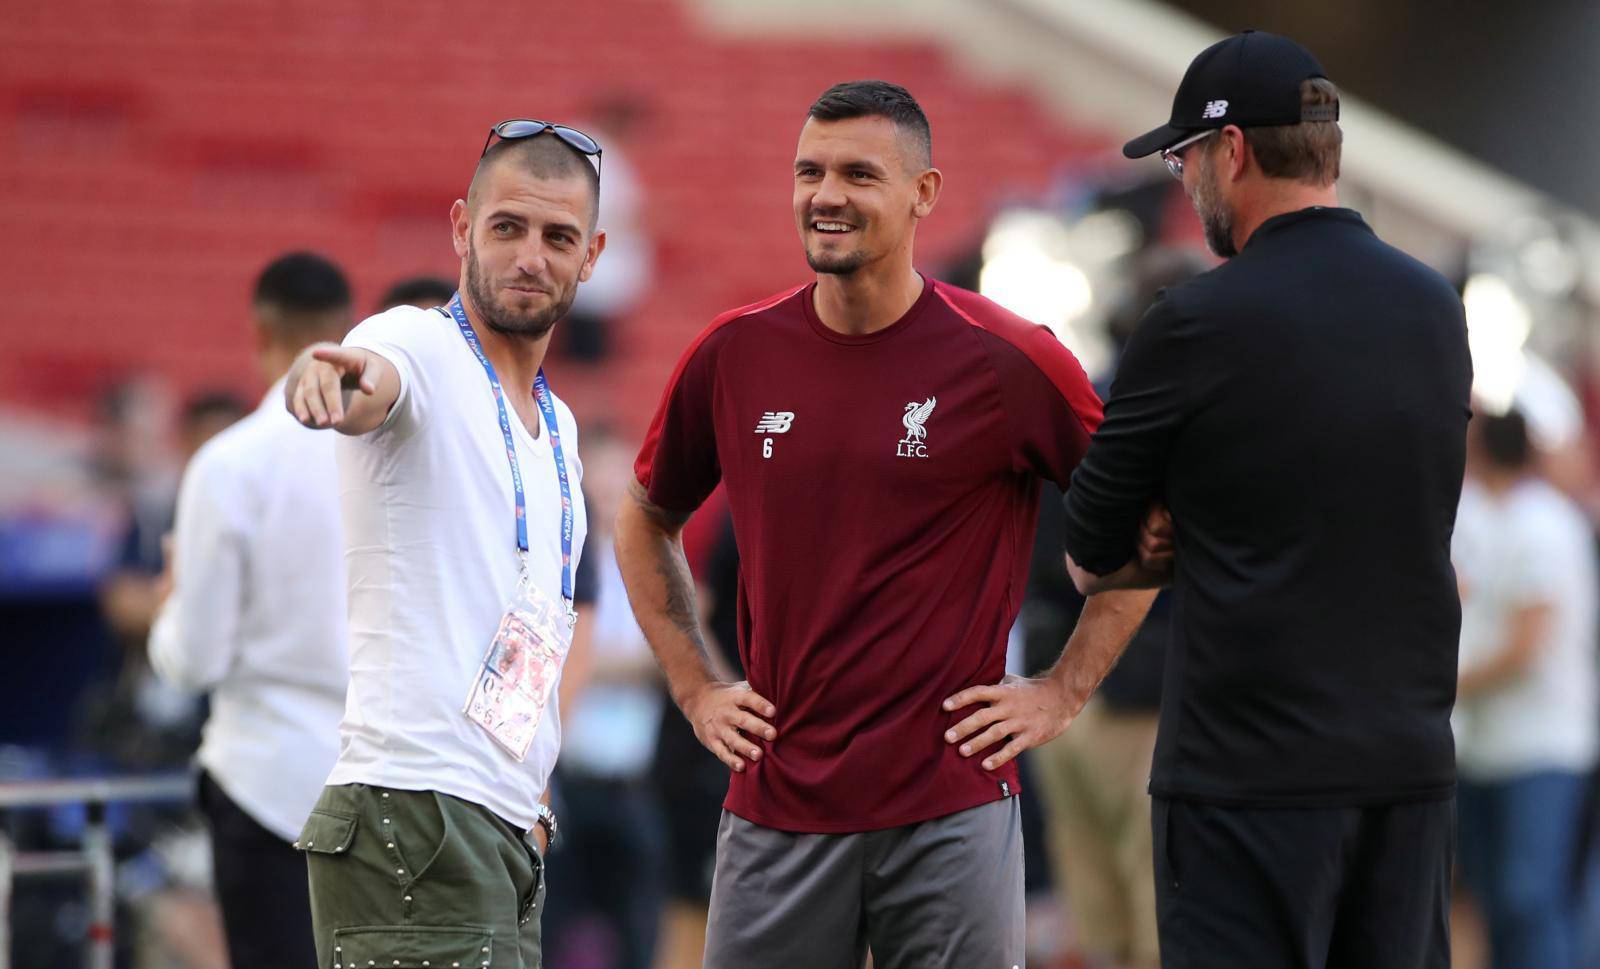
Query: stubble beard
844	264
1216	220
507	322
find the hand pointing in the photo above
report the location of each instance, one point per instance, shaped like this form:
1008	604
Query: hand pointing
318	393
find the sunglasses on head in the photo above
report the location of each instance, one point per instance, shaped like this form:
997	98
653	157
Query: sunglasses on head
518	128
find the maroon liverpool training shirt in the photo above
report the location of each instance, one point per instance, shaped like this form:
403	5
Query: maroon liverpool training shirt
884	490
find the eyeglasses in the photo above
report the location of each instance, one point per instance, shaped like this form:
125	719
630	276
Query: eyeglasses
518	128
1174	156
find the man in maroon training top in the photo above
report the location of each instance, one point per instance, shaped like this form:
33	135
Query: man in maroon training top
882	437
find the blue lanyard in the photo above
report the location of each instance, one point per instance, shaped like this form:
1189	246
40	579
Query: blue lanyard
547	408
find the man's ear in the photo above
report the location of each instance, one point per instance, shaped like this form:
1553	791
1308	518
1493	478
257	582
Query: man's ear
929	184
1238	150
460	228
597	245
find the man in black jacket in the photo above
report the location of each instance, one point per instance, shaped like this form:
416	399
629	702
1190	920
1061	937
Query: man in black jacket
1301	410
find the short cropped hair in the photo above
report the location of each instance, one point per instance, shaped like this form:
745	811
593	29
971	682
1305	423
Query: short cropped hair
1505	439
208	404
543	156
879	99
1307	151
424	291
302	283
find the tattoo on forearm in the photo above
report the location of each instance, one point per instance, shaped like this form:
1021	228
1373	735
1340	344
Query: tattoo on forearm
668	521
680	604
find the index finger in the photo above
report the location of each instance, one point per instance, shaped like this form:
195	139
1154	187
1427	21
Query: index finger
341	357
751	700
971	695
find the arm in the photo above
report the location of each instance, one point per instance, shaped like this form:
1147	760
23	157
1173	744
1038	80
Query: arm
1529	627
1124	472
1026	712
725	716
192	642
346	388
578	670
1152	569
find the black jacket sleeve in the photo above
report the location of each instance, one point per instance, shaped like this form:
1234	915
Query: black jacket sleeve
1125	468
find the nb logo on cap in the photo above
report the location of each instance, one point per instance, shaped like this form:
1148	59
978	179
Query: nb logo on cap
1215	109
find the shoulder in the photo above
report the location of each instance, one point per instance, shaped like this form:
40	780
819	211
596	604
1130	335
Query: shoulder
1015	343
233	459
405	326
1199	296
993	322
704	349
740	318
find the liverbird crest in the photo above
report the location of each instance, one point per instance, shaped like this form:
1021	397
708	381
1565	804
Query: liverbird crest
916	416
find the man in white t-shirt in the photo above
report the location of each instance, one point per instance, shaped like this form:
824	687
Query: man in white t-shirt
256	616
1525	719
463	519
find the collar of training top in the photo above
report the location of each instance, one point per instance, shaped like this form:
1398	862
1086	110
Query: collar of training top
1315	213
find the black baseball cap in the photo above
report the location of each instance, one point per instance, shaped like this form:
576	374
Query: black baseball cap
1250	80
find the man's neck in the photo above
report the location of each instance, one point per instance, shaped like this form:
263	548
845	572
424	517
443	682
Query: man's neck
1273	197
1498	481
866	301
516	359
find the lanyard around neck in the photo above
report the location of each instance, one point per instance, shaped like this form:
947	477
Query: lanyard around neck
547	410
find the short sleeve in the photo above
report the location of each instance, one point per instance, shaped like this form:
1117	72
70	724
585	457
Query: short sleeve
1050	406
407	338
1125	467
678	464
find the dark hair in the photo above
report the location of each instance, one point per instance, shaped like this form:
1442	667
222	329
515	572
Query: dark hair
877	99
303	283
543	156
1308	151
212	403
418	290
1505	439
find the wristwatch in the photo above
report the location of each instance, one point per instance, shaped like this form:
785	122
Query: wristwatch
546	819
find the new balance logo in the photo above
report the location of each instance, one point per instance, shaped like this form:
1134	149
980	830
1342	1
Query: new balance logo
775	422
1215	109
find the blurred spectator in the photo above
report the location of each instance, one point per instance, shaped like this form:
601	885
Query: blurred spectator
624	275
145	723
1093	778
689	779
256	615
133	466
1526	713
423	292
611	861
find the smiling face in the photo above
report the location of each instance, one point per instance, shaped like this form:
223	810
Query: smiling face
526	242
859	188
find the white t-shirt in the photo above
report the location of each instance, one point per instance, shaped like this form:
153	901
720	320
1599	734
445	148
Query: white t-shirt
1527	546
257	611
430	537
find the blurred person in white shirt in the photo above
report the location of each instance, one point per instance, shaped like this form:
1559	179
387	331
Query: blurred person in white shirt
1525	720
615	875
256	616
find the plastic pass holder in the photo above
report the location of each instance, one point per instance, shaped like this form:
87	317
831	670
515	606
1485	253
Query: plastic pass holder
519	672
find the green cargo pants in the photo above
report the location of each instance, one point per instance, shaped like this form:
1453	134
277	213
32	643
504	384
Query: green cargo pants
419	880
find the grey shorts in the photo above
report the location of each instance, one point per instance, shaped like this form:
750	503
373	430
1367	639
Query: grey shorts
940	894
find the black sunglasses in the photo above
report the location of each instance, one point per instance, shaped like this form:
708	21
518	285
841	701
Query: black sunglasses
525	128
